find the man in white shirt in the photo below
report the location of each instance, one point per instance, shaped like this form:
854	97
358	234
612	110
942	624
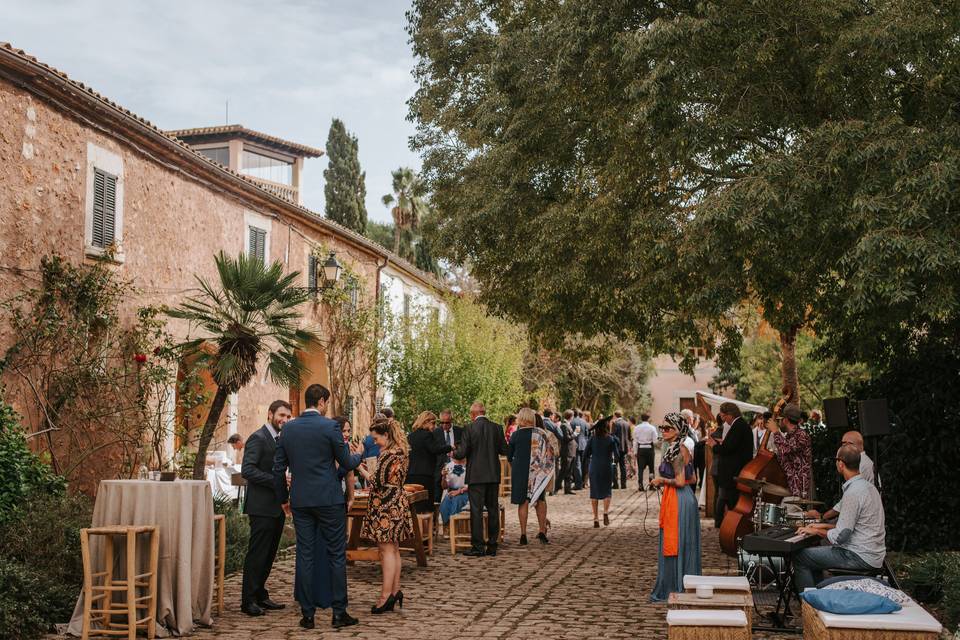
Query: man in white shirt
644	438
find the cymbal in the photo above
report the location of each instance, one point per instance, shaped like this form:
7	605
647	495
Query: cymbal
807	503
764	487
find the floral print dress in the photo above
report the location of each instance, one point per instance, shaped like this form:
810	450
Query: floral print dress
388	511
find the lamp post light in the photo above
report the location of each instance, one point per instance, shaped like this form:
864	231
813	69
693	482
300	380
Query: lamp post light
331	271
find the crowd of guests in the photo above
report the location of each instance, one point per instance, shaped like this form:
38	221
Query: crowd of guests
460	468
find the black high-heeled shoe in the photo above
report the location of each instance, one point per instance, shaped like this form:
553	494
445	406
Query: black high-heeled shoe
386	606
398	598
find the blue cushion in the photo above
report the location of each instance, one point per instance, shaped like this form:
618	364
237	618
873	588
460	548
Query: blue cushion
836	579
848	602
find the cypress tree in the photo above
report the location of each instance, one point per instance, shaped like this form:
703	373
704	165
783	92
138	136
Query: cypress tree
345	187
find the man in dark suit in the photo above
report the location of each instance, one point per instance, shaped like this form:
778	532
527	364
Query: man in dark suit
448	434
483	444
311	446
734	449
263	509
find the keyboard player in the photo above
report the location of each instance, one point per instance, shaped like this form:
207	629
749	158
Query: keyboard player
857	540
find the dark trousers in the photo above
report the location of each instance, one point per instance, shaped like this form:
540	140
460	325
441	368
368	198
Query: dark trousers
584	470
265	533
325	526
726	499
484	494
563	480
428	484
575	473
622	463
645	458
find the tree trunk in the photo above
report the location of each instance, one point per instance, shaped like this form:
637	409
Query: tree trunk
788	365
209	427
396	237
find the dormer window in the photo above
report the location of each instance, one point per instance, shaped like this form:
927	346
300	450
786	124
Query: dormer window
264	167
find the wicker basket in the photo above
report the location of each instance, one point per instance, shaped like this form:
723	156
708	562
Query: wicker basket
814	629
682	632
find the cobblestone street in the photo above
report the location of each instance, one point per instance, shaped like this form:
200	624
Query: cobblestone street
587	583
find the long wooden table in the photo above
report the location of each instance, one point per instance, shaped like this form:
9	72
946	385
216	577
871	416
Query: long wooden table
359	509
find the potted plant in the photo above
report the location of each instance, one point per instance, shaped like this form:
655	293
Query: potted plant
925	576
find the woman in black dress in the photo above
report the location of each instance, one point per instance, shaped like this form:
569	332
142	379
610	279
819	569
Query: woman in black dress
424	449
519	457
602	447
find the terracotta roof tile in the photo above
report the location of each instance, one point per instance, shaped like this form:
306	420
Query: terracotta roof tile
241	131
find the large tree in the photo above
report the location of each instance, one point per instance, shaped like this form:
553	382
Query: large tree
639	168
345	189
407	204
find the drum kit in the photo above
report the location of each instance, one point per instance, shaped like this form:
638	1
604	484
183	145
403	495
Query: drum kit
791	510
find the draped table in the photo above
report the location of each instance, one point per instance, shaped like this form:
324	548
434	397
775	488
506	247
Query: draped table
182	511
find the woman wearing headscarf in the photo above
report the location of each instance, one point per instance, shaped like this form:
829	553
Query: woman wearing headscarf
604	450
532	455
679	553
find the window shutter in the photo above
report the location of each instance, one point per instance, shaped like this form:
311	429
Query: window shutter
257	247
104	208
312	273
354	290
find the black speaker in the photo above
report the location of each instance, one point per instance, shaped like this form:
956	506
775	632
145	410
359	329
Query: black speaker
835	413
874	417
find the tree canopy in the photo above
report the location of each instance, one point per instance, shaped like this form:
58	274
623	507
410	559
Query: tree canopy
640	168
345	189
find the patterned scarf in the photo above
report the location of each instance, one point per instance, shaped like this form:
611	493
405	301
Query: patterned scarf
676	421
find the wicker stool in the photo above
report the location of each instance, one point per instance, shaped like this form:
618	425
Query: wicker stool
720	584
220	556
707	624
100	587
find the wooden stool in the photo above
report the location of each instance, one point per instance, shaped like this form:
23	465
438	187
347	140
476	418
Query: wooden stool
720	584
426	532
99	587
707	624
504	477
220	556
460	530
742	601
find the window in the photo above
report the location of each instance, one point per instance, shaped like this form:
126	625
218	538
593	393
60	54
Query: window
104	209
217	154
312	267
258	165
353	294
257	245
103	204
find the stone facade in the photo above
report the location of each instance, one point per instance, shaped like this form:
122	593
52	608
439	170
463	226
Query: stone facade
178	210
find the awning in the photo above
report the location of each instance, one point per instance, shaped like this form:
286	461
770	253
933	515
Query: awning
714	401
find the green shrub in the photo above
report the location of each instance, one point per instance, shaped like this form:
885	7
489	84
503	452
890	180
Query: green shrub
22	601
22	472
238	533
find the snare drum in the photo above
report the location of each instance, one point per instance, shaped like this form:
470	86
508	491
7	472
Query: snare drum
773	514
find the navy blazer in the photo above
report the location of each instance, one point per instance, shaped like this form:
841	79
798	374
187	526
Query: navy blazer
310	446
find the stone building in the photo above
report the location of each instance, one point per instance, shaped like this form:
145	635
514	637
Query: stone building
81	171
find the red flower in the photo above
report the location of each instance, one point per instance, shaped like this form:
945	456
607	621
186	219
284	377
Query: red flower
140	357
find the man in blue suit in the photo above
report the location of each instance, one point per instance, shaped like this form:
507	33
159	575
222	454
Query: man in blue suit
310	446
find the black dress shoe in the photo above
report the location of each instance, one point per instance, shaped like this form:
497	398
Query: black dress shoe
491	551
344	620
307	623
270	605
474	553
252	610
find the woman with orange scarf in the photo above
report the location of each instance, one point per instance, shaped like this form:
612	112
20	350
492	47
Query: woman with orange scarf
679	516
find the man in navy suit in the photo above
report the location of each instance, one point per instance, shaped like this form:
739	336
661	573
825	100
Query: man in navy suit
310	446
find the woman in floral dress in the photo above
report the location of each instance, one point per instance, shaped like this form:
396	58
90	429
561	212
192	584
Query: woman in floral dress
388	521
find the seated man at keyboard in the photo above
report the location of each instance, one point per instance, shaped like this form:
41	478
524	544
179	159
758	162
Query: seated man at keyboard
857	540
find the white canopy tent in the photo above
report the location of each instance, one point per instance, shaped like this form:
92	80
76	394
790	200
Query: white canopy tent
714	401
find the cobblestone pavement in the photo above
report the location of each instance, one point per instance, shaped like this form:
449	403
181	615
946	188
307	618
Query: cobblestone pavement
587	583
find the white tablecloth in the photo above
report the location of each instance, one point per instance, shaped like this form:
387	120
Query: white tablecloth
219	478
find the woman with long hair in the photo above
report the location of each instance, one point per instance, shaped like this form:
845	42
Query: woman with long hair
531	455
509	426
602	447
424	451
679	552
388	520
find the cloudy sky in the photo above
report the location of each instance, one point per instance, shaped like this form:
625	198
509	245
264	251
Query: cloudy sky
287	67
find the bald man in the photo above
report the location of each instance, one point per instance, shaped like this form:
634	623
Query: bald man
851	439
482	445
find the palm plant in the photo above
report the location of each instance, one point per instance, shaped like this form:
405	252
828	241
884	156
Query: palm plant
407	203
251	315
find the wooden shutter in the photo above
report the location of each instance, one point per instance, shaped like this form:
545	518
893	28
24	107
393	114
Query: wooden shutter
258	244
104	208
312	273
354	291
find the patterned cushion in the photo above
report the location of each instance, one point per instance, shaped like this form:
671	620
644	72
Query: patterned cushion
869	585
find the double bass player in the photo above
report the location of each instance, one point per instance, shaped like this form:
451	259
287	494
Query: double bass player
734	449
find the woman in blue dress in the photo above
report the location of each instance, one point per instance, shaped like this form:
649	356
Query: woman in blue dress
603	448
530	472
679	552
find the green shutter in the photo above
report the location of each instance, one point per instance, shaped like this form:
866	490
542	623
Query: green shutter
104	209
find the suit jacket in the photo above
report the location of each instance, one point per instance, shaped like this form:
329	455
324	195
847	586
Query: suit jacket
483	444
440	436
424	449
257	469
310	446
735	451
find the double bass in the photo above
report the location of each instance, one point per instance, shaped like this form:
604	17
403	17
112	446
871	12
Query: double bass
738	521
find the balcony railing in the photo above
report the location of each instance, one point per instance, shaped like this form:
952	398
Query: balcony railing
285	191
